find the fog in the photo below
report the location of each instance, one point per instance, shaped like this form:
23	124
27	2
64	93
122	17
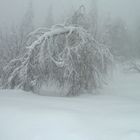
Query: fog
11	11
85	49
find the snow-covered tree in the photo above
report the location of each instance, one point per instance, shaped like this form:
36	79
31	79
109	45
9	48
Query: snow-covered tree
66	54
79	18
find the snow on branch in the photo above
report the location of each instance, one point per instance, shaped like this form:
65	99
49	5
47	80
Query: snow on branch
134	65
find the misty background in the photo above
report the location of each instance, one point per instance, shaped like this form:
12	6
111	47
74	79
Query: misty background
11	11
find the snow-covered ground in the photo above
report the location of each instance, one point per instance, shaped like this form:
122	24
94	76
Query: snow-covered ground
113	114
